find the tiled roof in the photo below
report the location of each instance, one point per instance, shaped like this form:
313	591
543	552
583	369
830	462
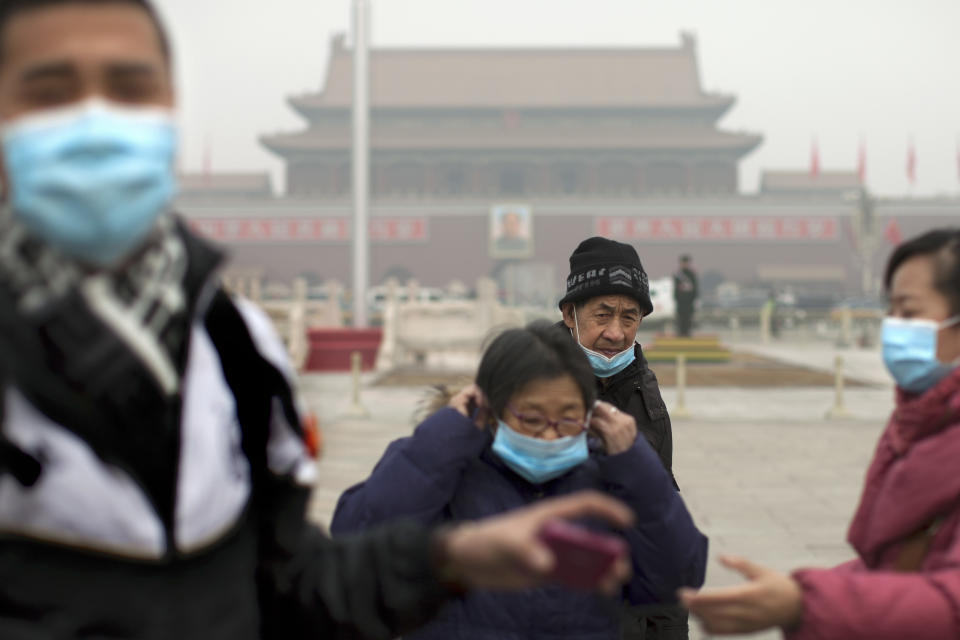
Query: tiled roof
222	183
518	78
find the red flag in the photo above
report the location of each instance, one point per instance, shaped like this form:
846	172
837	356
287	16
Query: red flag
911	163
207	160
892	232
814	160
862	162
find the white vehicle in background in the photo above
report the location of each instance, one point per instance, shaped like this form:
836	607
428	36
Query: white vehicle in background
664	306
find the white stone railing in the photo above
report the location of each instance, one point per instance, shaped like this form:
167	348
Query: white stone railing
445	334
441	335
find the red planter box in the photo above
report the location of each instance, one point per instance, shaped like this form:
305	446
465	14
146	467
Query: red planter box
330	349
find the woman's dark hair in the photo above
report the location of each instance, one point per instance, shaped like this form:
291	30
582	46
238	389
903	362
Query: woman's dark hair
539	351
943	245
11	8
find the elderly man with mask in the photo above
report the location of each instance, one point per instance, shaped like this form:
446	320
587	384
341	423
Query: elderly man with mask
153	477
607	298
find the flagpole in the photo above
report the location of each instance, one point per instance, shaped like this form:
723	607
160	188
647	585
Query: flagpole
911	168
868	244
361	160
814	159
862	162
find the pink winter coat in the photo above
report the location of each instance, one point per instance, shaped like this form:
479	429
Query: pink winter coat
912	491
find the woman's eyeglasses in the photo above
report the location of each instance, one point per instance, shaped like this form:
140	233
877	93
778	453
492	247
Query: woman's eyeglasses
536	423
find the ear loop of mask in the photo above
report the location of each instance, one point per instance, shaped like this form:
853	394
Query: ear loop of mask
947	324
576	324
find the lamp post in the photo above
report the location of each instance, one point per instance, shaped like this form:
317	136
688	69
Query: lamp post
865	235
361	160
866	229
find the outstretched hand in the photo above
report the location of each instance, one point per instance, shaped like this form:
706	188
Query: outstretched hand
768	599
505	552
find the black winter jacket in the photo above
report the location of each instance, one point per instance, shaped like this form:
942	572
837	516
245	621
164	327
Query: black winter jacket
636	391
447	472
187	521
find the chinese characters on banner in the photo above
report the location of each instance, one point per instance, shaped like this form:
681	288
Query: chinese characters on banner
735	228
336	230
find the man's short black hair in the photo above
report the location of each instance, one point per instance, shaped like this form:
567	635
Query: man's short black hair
943	245
12	8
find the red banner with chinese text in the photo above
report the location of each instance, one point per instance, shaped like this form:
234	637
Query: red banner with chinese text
734	228
336	230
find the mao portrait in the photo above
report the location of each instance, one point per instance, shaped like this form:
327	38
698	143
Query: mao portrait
511	231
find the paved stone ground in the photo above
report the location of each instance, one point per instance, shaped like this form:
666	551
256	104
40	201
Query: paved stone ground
862	364
780	493
761	470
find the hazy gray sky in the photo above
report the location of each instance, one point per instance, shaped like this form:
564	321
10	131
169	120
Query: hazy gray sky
883	70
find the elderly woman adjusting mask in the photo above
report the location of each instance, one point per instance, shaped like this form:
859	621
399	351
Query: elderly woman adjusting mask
528	429
905	582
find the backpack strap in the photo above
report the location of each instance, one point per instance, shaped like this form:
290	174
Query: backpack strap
253	380
14	460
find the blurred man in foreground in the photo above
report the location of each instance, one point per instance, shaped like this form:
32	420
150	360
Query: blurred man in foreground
153	478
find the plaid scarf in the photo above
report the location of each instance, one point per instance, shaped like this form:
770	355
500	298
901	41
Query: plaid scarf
144	303
103	353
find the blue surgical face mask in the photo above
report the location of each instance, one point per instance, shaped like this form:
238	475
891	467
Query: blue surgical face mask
604	367
91	179
539	460
910	352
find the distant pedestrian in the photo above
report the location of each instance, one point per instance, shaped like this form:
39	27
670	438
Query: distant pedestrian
770	310
905	581
685	292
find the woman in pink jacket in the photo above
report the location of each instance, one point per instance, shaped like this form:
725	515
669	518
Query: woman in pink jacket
906	581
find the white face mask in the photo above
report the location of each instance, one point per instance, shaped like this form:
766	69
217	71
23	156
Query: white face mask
604	367
91	179
910	352
539	460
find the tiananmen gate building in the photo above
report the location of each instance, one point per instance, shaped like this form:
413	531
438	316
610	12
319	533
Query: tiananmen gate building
487	158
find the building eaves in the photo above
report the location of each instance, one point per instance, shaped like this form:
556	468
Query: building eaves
447	139
794	181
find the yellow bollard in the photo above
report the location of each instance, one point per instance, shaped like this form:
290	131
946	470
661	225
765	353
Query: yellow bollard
838	410
846	327
766	320
356	409
680	410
